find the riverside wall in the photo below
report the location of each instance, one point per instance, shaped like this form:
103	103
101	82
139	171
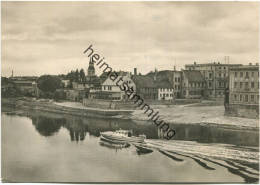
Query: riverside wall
51	107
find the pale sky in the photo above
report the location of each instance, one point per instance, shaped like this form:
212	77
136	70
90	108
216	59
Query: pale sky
50	37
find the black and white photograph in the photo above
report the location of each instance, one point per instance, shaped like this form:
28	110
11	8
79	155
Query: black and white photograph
130	92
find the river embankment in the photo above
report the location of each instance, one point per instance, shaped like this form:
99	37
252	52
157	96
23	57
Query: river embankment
203	113
71	108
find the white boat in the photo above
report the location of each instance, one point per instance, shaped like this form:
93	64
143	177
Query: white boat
122	136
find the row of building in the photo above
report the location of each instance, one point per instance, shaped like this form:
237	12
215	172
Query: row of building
237	83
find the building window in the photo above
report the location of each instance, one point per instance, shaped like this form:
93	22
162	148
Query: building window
241	74
241	85
246	98
246	85
252	85
252	98
224	74
210	75
219	74
252	74
219	84
235	97
235	74
240	98
235	85
247	76
210	84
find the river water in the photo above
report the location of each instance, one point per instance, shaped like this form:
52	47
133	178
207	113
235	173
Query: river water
47	147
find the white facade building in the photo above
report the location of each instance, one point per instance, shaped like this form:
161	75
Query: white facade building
165	93
113	87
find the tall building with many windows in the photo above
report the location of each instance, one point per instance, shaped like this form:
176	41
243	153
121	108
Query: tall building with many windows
216	76
243	99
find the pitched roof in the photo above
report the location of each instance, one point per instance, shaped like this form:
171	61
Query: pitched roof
149	82
193	75
163	84
144	81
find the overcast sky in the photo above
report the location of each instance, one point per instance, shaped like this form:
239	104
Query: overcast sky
50	37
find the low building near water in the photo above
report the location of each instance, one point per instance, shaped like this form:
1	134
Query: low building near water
26	84
155	85
243	94
111	88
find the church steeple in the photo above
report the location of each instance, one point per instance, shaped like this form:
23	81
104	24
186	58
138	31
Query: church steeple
91	68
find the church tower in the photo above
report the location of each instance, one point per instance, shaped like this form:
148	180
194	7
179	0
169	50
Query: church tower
91	69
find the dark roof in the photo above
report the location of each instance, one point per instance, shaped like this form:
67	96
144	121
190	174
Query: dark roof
143	81
212	64
149	82
246	67
163	84
193	76
104	75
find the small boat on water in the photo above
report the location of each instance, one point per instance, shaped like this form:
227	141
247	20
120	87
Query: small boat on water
142	149
113	145
122	136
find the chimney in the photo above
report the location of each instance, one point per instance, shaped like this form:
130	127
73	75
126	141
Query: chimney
174	68
135	71
194	63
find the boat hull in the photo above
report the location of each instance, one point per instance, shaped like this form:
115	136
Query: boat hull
122	138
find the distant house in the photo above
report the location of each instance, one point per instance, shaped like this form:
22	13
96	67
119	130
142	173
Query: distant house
111	90
27	85
193	84
174	77
154	86
145	87
65	83
165	90
242	99
216	76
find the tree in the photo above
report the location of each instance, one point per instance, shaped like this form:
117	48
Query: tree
48	83
82	75
77	75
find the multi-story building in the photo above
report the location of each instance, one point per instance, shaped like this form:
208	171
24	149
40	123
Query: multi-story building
216	76
173	76
165	90
111	90
26	84
193	84
177	83
243	95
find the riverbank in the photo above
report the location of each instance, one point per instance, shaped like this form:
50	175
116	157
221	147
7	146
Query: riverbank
200	113
71	108
204	113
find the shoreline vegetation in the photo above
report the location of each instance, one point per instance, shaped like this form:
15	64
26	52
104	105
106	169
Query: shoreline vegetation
180	115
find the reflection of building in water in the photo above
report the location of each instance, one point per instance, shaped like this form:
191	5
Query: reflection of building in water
212	134
77	129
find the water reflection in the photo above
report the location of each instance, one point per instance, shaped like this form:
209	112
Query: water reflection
78	127
42	157
47	126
